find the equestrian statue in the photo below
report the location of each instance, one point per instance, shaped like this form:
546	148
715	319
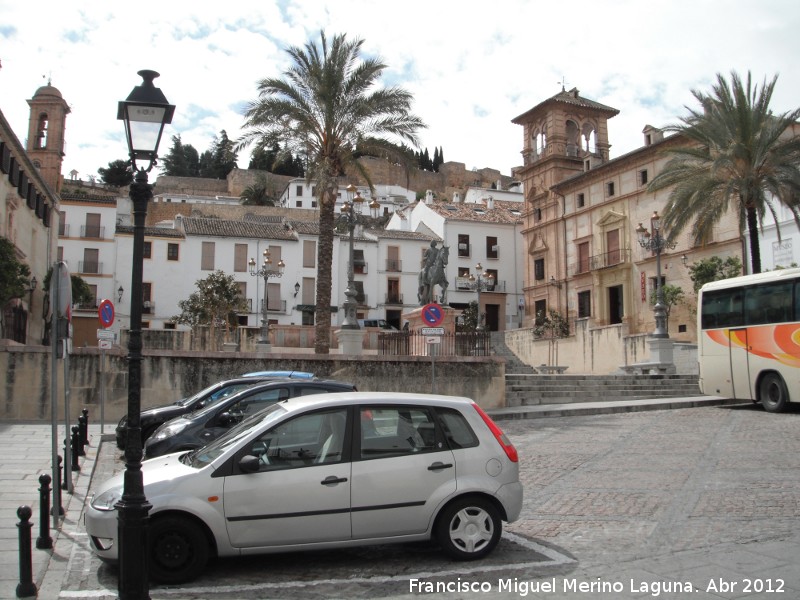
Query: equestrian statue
433	273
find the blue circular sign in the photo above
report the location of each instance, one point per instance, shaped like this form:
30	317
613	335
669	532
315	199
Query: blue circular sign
105	313
432	314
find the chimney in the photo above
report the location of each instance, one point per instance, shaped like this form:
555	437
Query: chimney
490	203
456	197
428	197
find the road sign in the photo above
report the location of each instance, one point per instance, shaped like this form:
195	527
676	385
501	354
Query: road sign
432	331
104	344
105	313
432	314
106	334
434	339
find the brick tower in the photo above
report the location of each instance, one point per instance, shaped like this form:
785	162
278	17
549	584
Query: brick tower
46	128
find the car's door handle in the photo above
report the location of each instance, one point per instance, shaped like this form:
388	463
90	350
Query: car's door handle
438	466
332	479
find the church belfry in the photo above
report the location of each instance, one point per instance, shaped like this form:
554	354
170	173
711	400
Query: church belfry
46	129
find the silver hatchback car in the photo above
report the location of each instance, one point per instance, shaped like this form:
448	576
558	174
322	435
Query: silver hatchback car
325	471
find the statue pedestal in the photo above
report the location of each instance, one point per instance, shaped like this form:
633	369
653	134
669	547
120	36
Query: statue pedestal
351	341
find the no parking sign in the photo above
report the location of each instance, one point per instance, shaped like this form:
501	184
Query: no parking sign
105	313
432	314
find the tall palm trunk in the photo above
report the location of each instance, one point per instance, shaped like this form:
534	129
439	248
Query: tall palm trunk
755	246
322	322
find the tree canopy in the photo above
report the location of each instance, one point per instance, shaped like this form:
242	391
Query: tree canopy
215	304
739	156
14	275
183	160
325	107
713	269
117	174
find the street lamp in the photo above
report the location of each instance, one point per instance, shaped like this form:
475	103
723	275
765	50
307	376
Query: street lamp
266	271
484	281
145	113
351	216
656	242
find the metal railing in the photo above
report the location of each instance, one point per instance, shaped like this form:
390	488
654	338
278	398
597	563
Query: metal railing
393	298
412	343
90	267
92	231
609	259
394	265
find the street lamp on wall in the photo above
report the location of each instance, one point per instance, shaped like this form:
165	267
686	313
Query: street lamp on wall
266	271
145	113
655	242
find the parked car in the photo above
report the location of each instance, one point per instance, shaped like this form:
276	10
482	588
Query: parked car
152	418
198	428
325	471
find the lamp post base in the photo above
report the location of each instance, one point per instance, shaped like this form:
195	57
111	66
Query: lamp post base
351	341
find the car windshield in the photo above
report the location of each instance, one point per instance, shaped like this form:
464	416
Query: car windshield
203	456
200	394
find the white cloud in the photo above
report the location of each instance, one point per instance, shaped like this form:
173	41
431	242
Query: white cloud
471	67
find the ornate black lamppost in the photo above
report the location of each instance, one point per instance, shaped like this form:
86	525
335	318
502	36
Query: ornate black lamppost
145	113
656	243
483	282
351	216
266	271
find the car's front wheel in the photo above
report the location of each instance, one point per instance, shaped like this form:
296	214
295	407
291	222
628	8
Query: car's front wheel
469	528
178	550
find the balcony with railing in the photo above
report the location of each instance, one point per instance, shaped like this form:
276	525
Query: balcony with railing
275	306
148	307
90	267
394	265
394	298
93	231
609	259
63	230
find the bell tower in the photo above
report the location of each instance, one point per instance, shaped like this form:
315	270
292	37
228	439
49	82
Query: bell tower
46	146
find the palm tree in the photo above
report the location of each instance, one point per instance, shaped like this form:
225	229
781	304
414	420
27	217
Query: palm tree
740	156
259	193
323	107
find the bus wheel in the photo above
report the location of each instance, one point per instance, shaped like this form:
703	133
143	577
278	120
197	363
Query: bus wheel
772	393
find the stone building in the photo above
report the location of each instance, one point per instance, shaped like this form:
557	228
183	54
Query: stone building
582	256
29	202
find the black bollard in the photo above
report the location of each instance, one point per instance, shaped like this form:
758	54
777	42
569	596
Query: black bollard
85	434
44	540
76	448
63	486
77	436
25	587
82	434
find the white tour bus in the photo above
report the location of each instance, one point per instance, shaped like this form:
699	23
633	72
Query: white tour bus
749	338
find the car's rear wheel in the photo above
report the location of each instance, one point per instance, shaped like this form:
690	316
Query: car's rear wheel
773	393
178	550
469	528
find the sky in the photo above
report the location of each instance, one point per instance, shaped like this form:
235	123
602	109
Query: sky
471	66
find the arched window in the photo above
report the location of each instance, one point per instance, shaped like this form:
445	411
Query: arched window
41	132
573	138
589	141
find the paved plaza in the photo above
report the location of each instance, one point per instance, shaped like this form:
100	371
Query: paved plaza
698	502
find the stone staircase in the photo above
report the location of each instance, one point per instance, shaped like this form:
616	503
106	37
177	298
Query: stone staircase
525	387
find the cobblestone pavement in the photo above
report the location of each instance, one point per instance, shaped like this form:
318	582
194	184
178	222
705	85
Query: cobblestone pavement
691	503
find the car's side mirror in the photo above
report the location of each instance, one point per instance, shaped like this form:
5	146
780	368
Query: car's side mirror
249	464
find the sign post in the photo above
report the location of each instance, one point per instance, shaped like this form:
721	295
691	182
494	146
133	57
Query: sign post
105	313
432	316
